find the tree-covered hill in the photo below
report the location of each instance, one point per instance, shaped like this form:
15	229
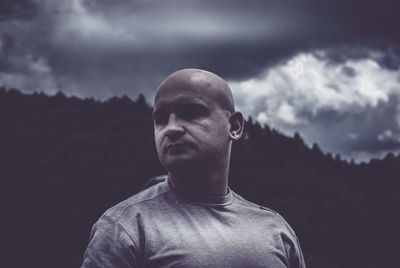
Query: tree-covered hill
63	161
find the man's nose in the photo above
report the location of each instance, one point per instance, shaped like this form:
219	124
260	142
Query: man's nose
174	127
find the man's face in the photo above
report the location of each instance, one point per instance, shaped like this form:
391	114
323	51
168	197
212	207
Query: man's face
190	128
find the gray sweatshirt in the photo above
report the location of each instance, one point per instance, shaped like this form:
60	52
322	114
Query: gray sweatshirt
160	228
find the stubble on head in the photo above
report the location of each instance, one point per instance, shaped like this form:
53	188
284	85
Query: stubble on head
202	82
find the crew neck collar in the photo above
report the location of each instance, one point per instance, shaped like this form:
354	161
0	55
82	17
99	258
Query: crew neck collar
211	200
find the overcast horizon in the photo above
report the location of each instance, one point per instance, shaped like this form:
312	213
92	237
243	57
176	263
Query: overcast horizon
328	70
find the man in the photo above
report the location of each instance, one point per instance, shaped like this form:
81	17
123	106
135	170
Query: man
193	219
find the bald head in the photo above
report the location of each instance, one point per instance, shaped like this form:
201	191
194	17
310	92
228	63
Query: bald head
195	122
199	82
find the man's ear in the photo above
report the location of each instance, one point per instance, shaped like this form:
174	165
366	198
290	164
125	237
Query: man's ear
237	125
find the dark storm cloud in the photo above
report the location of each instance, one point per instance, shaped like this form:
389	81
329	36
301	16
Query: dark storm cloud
7	42
390	61
241	40
348	71
359	131
17	9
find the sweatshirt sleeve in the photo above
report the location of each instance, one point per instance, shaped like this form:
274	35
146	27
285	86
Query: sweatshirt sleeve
293	251
296	259
109	246
294	254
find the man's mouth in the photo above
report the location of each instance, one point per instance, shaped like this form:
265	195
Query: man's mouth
175	147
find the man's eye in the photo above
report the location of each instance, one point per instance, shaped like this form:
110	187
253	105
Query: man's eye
160	119
192	112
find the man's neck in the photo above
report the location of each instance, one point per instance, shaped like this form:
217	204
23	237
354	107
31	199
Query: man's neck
199	184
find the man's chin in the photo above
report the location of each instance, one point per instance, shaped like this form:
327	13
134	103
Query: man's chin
179	164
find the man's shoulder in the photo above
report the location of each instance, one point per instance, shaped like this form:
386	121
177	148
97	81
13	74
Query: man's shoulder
273	217
138	201
246	203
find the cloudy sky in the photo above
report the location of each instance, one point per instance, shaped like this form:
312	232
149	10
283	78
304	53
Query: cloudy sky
326	69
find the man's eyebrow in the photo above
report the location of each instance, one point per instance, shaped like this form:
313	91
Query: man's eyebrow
190	104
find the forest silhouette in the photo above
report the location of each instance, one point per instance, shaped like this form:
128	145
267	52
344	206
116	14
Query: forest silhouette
64	161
